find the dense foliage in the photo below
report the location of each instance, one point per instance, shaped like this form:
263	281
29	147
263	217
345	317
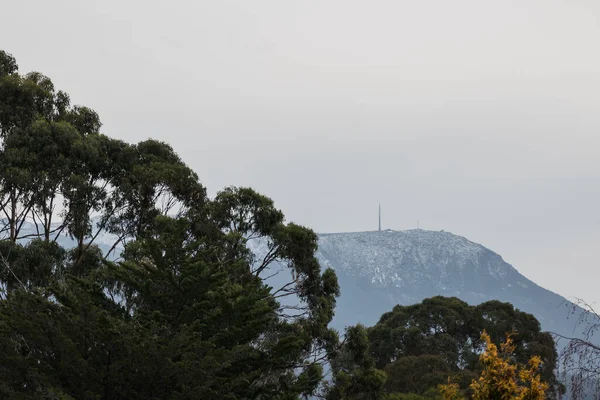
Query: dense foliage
420	346
185	313
177	306
501	378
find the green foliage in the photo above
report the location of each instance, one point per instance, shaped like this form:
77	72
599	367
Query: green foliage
414	350
419	346
186	313
8	64
415	373
431	394
355	375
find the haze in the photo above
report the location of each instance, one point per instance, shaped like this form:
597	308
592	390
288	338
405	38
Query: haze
479	118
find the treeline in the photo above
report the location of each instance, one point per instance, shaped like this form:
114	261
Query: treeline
185	313
415	352
188	311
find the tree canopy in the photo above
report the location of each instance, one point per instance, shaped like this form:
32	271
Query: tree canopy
177	307
420	346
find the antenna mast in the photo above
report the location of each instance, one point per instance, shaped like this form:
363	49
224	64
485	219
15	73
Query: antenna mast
379	217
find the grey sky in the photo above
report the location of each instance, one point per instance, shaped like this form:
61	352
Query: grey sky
476	117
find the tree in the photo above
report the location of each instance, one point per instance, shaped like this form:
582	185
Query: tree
580	358
354	374
182	316
187	310
416	374
420	345
450	390
40	134
500	378
8	64
59	173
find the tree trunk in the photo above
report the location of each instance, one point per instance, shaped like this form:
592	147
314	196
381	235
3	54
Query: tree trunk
13	216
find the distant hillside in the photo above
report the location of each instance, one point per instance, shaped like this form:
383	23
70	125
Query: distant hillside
378	270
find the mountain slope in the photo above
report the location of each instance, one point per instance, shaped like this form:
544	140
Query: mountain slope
378	270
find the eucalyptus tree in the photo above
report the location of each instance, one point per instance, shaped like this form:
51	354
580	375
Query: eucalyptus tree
186	312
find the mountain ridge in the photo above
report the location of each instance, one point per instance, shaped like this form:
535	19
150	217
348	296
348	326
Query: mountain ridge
379	269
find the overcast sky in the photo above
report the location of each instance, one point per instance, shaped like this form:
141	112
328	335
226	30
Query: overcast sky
476	117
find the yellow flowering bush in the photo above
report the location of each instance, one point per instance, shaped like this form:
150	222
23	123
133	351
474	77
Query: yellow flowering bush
501	379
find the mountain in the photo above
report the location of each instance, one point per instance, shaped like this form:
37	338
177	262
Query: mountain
380	269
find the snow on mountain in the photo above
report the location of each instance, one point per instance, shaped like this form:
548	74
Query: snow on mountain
419	256
380	269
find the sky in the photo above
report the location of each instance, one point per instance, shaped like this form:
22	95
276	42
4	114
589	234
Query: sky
476	117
